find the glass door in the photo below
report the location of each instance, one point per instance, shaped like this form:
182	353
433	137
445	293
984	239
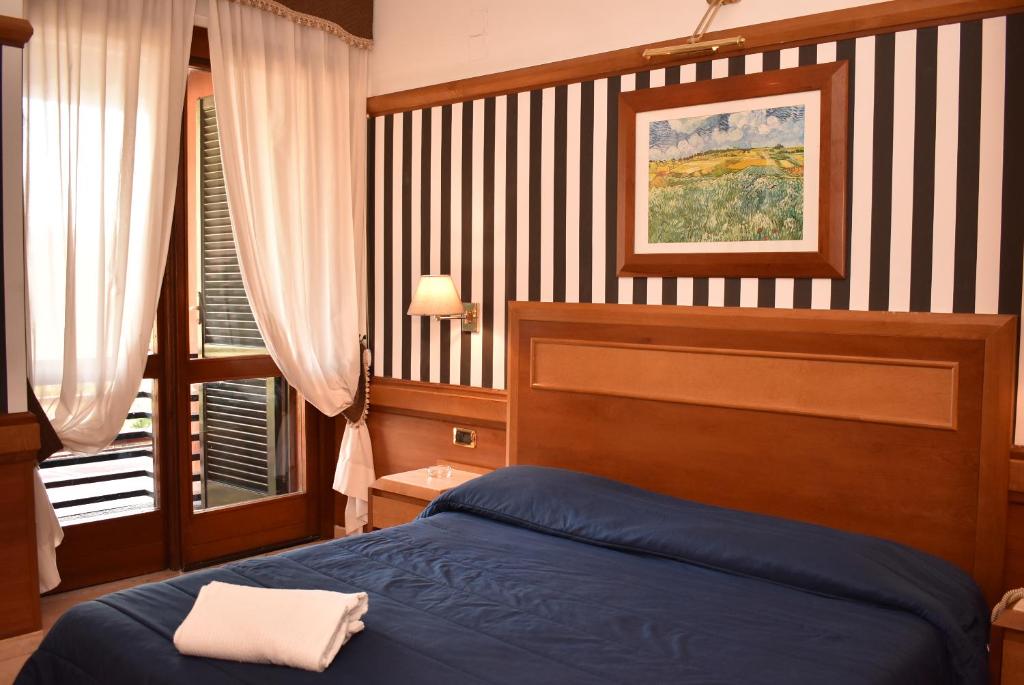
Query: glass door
115	506
110	504
244	479
218	456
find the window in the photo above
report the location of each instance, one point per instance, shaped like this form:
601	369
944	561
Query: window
118	481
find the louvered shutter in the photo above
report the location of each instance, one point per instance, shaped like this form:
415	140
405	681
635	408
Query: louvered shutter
227	318
241	422
241	419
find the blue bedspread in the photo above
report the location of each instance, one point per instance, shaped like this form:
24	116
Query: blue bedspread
543	576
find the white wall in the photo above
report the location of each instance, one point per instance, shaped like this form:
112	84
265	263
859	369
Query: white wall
419	43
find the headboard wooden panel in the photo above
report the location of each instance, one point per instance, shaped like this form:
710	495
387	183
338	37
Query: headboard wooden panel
895	425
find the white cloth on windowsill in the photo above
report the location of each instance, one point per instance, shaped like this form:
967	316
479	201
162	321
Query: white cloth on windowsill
299	628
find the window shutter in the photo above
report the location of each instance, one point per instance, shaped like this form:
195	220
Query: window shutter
227	318
237	435
240	418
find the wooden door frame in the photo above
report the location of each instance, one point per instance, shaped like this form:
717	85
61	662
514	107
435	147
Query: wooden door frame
187	547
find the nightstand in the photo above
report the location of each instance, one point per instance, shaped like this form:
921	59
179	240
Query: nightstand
400	497
1008	647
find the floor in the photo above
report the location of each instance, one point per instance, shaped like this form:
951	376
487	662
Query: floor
14	651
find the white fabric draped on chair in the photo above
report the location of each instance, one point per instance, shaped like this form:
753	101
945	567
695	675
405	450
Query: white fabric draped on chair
291	109
104	83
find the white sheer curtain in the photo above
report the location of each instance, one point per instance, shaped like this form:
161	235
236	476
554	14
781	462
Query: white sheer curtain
291	110
104	84
104	87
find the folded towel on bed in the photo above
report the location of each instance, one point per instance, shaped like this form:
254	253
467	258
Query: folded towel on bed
300	628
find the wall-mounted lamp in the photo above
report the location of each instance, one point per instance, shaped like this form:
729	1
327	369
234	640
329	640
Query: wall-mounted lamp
438	297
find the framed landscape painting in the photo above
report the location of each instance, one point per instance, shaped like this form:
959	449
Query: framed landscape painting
739	176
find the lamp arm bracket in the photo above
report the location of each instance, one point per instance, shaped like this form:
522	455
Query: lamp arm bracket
695	42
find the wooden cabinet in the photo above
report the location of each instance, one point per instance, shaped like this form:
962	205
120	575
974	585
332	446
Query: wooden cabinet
400	497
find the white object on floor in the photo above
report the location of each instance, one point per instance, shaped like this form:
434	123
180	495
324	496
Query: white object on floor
299	628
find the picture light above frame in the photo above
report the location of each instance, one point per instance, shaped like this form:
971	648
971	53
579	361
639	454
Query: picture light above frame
696	44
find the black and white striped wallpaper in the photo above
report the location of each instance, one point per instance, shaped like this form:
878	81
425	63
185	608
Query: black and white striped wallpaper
515	197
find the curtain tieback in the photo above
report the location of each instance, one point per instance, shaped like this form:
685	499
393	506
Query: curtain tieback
365	380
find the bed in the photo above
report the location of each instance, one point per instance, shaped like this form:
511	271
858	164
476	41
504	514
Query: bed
779	533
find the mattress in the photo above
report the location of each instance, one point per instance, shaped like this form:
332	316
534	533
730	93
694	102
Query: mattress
536	575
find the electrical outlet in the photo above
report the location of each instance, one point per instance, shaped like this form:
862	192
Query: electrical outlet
464	437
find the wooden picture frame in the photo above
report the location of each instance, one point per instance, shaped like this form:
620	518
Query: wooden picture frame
822	244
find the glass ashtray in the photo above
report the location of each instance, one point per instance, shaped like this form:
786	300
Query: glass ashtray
439	471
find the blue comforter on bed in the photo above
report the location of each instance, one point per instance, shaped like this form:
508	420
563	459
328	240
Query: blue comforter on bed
533	575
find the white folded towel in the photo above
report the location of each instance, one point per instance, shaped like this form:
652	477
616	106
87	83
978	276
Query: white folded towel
300	628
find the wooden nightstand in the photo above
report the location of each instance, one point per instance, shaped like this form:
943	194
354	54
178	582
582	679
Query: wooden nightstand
400	497
1008	647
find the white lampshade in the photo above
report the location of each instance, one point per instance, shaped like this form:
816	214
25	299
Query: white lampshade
435	296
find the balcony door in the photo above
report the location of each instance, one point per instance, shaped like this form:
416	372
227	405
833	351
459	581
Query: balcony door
244	480
218	456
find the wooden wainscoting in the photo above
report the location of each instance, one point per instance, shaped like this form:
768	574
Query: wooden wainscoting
19	575
411	427
411	424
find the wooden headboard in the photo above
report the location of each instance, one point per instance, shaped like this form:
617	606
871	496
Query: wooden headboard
895	425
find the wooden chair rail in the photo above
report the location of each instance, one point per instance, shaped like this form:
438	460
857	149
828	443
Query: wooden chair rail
438	400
